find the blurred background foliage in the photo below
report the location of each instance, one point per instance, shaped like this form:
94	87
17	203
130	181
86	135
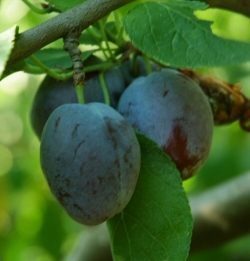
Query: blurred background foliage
32	224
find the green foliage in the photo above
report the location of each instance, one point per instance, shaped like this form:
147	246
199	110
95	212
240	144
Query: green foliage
171	34
157	223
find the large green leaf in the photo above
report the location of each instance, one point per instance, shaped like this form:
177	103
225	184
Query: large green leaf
171	34
6	45
157	223
65	5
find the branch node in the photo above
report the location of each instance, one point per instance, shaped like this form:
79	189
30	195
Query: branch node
71	42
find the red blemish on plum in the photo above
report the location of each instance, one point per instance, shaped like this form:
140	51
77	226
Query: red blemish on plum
177	149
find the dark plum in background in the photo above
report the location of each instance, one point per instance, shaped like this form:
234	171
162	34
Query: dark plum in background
133	68
91	159
172	110
52	93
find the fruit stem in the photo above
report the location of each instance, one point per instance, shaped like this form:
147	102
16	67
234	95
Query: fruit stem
104	88
119	28
110	36
79	92
147	64
97	39
96	67
101	25
47	70
134	65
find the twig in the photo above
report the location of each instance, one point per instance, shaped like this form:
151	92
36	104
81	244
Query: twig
81	16
221	213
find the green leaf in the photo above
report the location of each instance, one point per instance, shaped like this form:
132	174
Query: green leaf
6	45
65	5
57	58
91	36
157	223
171	34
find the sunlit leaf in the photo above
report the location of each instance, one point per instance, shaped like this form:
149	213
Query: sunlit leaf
6	45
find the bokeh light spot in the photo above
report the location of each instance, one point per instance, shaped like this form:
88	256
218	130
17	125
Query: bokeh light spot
11	128
5	223
15	83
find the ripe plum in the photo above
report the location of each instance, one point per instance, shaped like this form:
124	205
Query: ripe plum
172	110
91	159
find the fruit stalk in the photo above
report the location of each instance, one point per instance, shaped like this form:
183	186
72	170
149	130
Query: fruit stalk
71	43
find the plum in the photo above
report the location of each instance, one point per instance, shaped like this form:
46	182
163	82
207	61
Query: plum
52	93
172	110
91	158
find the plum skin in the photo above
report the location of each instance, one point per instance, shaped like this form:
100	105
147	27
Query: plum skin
91	159
52	94
172	110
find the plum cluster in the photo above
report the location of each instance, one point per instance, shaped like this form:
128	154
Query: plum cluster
90	154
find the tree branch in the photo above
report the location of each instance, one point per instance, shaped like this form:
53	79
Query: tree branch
220	215
238	6
81	16
92	245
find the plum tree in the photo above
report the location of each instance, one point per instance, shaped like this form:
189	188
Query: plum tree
52	93
91	159
171	109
